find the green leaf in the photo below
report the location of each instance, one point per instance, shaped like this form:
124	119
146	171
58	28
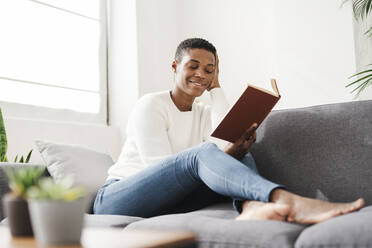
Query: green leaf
3	139
28	156
360	79
369	32
15	159
362	8
368	7
61	190
359	73
22	178
362	87
21	160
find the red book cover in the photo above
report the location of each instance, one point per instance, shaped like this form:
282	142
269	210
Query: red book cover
253	105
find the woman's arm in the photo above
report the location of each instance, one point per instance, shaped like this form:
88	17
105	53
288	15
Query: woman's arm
220	105
219	108
148	128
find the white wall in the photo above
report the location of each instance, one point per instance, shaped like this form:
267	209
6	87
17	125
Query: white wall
307	46
122	62
157	25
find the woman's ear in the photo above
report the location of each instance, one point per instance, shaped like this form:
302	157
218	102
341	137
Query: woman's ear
174	66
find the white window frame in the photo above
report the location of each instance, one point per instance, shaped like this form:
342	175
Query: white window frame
32	112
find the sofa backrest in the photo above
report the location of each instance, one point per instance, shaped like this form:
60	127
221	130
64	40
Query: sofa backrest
321	151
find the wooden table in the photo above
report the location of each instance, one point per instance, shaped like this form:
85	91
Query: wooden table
107	238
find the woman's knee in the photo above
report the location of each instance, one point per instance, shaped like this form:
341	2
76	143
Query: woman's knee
194	151
208	146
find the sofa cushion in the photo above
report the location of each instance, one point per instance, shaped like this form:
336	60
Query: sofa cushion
87	167
218	228
317	151
90	220
105	220
351	230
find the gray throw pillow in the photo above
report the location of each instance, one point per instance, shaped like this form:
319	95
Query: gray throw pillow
87	167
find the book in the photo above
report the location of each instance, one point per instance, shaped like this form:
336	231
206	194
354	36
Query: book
253	106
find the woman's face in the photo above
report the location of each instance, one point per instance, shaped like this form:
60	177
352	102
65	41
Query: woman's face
195	72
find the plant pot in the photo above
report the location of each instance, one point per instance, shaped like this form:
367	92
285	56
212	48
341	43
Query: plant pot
57	222
16	209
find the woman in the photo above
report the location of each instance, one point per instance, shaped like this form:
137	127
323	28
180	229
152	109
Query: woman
169	163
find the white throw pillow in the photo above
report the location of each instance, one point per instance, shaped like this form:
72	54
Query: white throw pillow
87	167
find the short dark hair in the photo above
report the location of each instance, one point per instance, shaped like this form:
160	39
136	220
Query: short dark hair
191	44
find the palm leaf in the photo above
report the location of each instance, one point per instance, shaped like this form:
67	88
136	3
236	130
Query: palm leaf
360	79
362	8
363	84
369	32
359	73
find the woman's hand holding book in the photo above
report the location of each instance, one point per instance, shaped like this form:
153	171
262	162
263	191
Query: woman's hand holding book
241	147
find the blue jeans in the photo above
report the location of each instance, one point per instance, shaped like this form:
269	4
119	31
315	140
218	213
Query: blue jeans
200	175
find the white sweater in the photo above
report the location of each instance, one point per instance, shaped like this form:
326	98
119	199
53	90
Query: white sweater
157	129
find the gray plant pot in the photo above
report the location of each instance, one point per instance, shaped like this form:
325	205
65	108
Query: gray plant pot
16	209
57	222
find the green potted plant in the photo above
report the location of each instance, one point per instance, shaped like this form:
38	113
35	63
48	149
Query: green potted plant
4	146
15	203
3	140
57	211
361	80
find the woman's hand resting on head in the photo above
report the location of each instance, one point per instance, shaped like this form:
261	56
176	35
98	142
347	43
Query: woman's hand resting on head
215	83
242	145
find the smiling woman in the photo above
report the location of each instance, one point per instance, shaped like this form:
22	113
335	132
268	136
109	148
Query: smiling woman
53	56
194	73
169	160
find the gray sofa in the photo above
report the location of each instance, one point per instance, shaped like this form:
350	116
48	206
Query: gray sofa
321	151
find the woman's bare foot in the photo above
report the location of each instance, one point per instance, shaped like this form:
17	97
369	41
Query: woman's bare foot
255	210
310	211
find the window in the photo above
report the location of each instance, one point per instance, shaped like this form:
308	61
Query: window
53	59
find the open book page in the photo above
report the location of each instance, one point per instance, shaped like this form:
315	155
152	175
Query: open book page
273	85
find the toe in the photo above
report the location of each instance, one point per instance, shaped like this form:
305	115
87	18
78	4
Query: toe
359	203
291	216
354	206
282	209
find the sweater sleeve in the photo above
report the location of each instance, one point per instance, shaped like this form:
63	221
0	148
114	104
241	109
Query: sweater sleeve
148	127
217	112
